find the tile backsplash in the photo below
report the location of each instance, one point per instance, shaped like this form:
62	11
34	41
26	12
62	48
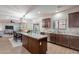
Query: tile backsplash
75	30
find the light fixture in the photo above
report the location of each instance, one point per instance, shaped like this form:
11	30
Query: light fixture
38	12
57	8
57	11
59	15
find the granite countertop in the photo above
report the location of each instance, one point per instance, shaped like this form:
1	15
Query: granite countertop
33	35
62	32
67	33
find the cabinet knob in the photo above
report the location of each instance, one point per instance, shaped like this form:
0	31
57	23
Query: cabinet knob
40	43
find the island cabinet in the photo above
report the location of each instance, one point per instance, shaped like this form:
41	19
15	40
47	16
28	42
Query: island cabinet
74	42
33	45
25	41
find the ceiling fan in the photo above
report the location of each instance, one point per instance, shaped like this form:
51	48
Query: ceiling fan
12	21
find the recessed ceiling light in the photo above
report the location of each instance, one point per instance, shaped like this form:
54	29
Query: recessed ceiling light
56	11
38	12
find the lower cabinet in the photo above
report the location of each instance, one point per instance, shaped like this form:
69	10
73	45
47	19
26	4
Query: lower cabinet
58	39
53	38
74	42
65	40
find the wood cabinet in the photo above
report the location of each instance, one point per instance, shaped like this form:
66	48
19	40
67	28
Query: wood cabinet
65	40
43	45
74	42
58	39
35	46
53	38
74	19
46	23
25	41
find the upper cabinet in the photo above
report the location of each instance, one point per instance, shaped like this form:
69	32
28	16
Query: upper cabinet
46	23
74	20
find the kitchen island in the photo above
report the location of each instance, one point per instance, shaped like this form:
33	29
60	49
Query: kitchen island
34	43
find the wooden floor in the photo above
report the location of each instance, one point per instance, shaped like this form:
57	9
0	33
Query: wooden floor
7	48
56	49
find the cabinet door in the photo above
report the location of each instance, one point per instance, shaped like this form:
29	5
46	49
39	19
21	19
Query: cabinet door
74	19
33	45
25	41
58	39
43	45
74	42
64	39
52	38
46	23
71	20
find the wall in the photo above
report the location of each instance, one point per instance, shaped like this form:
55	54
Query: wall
64	15
2	26
4	22
30	22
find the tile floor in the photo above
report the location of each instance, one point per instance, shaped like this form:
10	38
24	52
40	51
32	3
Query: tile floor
7	48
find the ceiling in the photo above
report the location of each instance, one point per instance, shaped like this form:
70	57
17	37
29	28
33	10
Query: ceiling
29	11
